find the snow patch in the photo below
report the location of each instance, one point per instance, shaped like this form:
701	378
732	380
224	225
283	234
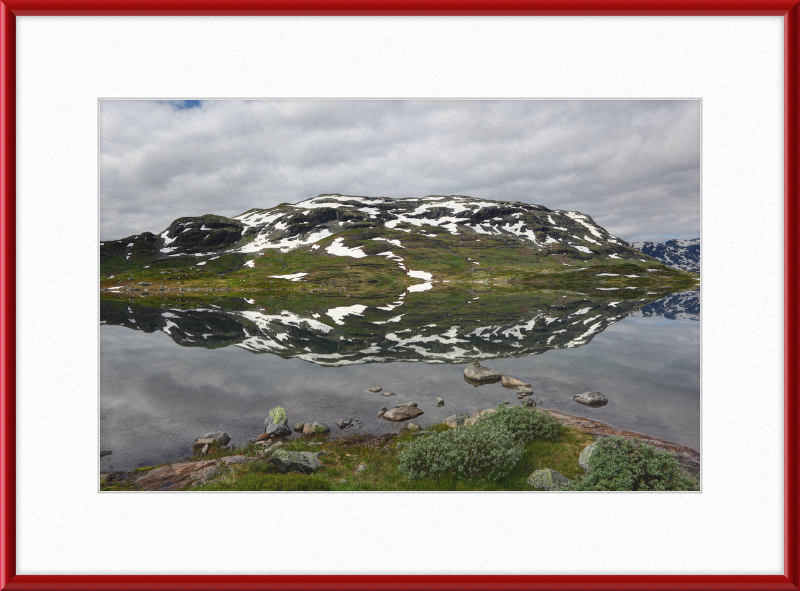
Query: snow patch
424	275
293	277
420	287
337	248
338	313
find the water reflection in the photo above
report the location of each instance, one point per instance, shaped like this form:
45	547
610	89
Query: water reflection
156	397
461	328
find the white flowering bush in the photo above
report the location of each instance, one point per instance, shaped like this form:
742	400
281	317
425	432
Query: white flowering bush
523	423
468	452
625	464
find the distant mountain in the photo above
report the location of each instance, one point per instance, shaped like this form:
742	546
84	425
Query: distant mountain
678	254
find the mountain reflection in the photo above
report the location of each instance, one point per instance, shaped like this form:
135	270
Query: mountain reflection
454	329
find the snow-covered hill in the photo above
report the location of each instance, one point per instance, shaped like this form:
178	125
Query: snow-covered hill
289	227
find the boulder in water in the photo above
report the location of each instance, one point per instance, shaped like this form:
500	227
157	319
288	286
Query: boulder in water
401	414
478	373
279	429
509	382
591	399
215	437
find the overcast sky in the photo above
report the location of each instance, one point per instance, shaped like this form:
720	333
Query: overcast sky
634	166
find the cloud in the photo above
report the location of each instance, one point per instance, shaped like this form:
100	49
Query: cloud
634	166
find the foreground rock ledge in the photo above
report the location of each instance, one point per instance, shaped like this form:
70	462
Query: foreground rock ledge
688	458
177	476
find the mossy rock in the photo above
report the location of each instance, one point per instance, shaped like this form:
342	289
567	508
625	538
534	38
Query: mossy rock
548	479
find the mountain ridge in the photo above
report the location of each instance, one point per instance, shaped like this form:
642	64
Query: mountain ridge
340	240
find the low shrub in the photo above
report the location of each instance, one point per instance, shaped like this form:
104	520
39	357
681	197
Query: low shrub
277	414
481	451
525	424
624	464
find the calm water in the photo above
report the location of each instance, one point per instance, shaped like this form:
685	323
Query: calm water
170	375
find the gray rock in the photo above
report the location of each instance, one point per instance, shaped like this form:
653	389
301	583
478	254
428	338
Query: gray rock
215	437
404	404
381	411
298	427
509	382
376	389
524	391
529	402
204	451
303	462
388	394
105	453
315	443
315	427
586	454
548	479
402	414
454	421
345	423
439	401
412	427
591	399
280	429
477	373
361	467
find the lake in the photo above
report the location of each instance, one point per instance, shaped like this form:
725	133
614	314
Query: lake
170	373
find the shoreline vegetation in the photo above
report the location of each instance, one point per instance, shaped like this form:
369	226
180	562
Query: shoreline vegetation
512	448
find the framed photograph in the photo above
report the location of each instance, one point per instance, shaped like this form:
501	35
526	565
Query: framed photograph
398	296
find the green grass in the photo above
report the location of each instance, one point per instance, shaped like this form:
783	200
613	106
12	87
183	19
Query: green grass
382	473
505	263
342	456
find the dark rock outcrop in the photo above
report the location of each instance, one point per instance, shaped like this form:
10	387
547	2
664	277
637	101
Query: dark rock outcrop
279	429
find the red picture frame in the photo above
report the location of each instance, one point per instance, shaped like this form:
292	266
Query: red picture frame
789	9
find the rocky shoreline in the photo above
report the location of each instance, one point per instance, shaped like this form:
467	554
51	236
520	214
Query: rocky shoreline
191	473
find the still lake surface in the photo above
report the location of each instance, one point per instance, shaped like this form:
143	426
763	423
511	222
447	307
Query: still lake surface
167	375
